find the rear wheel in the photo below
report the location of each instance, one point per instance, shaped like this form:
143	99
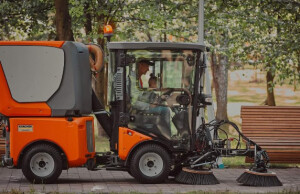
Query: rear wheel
42	164
150	164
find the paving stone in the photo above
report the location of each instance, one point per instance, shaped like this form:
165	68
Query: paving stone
80	180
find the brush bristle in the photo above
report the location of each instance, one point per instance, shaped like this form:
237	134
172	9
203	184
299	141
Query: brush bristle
258	180
196	178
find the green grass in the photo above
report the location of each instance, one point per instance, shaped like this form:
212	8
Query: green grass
102	144
31	191
243	98
235	162
256	93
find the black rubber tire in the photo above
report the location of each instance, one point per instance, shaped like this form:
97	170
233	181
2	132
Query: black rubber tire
42	149
144	150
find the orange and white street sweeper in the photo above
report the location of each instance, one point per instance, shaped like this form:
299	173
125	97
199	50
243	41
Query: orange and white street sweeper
155	91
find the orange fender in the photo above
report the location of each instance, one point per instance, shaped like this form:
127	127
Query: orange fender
128	139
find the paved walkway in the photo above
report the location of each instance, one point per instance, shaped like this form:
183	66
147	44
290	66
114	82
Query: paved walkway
80	180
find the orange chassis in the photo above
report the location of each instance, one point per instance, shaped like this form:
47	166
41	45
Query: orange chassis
31	124
67	134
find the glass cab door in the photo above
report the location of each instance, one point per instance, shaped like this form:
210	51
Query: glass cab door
159	90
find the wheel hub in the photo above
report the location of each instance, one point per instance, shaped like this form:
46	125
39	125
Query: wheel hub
42	164
151	164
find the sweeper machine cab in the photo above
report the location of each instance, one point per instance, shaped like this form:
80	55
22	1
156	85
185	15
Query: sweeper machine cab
155	93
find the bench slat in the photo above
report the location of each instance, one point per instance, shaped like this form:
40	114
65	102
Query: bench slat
269	130
270	123
279	139
273	115
257	119
270	107
262	116
269	113
2	144
283	128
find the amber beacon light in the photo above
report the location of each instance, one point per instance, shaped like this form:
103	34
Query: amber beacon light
108	30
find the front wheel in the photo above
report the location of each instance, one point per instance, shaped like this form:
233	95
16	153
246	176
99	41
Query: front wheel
42	164
150	164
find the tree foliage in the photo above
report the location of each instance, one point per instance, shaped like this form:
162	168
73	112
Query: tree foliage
267	34
262	33
21	20
156	20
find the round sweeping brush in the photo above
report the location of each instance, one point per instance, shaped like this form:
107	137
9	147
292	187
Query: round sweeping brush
258	179
196	177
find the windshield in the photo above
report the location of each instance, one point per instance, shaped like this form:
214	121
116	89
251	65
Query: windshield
159	88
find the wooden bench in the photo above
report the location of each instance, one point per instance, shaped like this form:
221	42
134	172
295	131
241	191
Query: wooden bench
2	144
275	129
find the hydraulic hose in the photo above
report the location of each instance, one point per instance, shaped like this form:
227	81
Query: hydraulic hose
241	134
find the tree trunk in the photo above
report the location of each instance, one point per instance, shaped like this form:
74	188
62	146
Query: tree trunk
270	89
220	80
149	37
297	74
271	74
63	21
101	78
88	20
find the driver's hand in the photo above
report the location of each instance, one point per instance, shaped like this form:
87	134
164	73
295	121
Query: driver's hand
165	97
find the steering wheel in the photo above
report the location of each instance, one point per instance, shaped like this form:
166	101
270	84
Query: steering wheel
181	96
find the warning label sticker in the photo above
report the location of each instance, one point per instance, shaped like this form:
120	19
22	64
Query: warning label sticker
25	128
